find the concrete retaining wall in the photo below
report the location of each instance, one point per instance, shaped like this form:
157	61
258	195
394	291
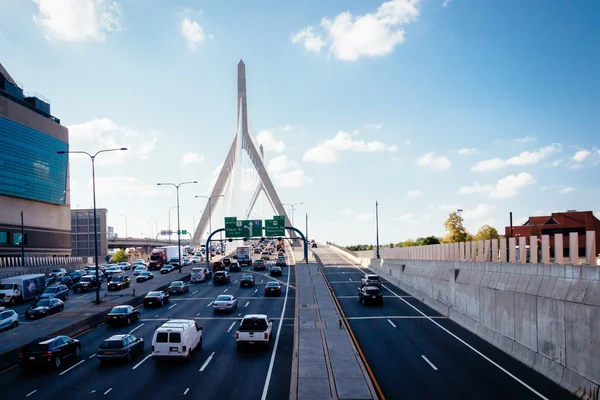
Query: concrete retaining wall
546	316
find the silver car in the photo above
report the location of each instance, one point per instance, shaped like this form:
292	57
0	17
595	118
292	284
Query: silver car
8	319
225	302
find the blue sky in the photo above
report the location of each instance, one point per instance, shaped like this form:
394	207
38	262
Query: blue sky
425	106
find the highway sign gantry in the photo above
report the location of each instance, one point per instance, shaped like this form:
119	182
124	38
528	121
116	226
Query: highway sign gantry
235	228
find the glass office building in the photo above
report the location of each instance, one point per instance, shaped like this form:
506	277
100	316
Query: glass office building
34	179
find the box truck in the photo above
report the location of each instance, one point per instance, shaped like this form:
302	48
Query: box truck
21	288
243	255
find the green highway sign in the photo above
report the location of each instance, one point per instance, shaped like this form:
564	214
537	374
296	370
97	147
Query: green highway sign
242	228
275	227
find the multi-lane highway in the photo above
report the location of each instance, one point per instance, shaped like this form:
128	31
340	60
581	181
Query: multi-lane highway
218	370
414	352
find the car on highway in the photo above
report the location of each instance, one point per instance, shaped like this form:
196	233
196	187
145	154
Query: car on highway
139	269
199	274
265	256
49	351
110	271
156	298
50	280
221	277
225	302
77	274
9	319
92	271
55	292
196	259
186	261
120	347
167	268
125	266
140	261
370	280
247	281
44	307
64	280
234	267
218	266
58	272
260	265
272	289
370	294
257	251
119	282
178	287
314	246
144	276
176	339
226	262
122	315
87	283
275	271
254	329
280	262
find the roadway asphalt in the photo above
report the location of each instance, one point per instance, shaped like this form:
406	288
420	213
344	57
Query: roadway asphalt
412	357
226	372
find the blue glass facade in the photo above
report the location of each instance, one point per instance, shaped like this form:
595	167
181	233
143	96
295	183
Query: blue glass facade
30	168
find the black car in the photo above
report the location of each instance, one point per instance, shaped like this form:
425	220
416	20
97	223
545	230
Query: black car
57	291
122	315
44	307
226	262
87	283
119	282
221	277
76	276
49	351
260	265
144	276
234	267
120	347
156	298
370	294
50	280
247	281
314	246
167	268
275	271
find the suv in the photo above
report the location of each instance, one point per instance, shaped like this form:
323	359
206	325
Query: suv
120	347
371	280
280	262
119	282
56	292
58	272
234	267
370	294
87	283
226	262
218	266
260	265
49	351
221	277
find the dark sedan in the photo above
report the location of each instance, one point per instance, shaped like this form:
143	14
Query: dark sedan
178	287
275	271
122	315
76	275
273	289
49	351
167	268
234	267
144	276
156	298
370	294
247	281
119	282
120	347
44	307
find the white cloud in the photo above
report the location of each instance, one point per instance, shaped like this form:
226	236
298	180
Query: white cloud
413	219
414	193
372	34
526	139
103	133
348	211
406	217
505	187
581	155
192	32
327	150
445	207
287	173
480	211
375	127
268	141
311	41
567	189
446	2
467	152
524	158
365	216
192	158
77	20
585	157
125	185
430	160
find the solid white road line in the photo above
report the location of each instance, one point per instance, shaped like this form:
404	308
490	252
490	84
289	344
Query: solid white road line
140	363
135	329
210	304
247	304
92	356
429	362
391	323
105	393
31	393
195	292
173	306
186	391
68	369
395	317
268	380
207	361
231	327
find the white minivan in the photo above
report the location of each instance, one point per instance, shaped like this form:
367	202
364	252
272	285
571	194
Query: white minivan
176	339
199	274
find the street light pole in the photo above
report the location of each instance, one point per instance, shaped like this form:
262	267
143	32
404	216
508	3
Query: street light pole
126	235
178	221
377	226
22	239
93	158
293	209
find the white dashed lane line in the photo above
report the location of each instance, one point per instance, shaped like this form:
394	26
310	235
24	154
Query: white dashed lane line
210	304
105	393
247	304
186	391
68	369
140	363
135	329
207	361
391	323
231	327
429	362
173	306
31	393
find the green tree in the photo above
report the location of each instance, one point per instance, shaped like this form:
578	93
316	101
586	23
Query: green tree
486	232
120	256
455	227
391	245
409	243
428	240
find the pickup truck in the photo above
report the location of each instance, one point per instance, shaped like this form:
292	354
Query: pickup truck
254	329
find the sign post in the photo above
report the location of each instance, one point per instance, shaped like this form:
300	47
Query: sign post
242	228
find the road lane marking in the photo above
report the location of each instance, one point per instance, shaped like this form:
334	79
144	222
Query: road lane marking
255	291
354	297
210	304
93	355
231	327
68	369
14	366
197	314
140	363
207	361
247	304
429	362
173	306
396	317
31	393
135	329
186	391
235	281
195	292
391	323
105	393
225	290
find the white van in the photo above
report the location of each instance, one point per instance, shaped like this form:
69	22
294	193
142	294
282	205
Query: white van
199	274
176	339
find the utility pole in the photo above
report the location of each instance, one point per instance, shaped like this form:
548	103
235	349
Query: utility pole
306	228
22	239
377	226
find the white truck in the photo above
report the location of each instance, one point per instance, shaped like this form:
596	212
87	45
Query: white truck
243	256
176	339
254	329
173	254
21	288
